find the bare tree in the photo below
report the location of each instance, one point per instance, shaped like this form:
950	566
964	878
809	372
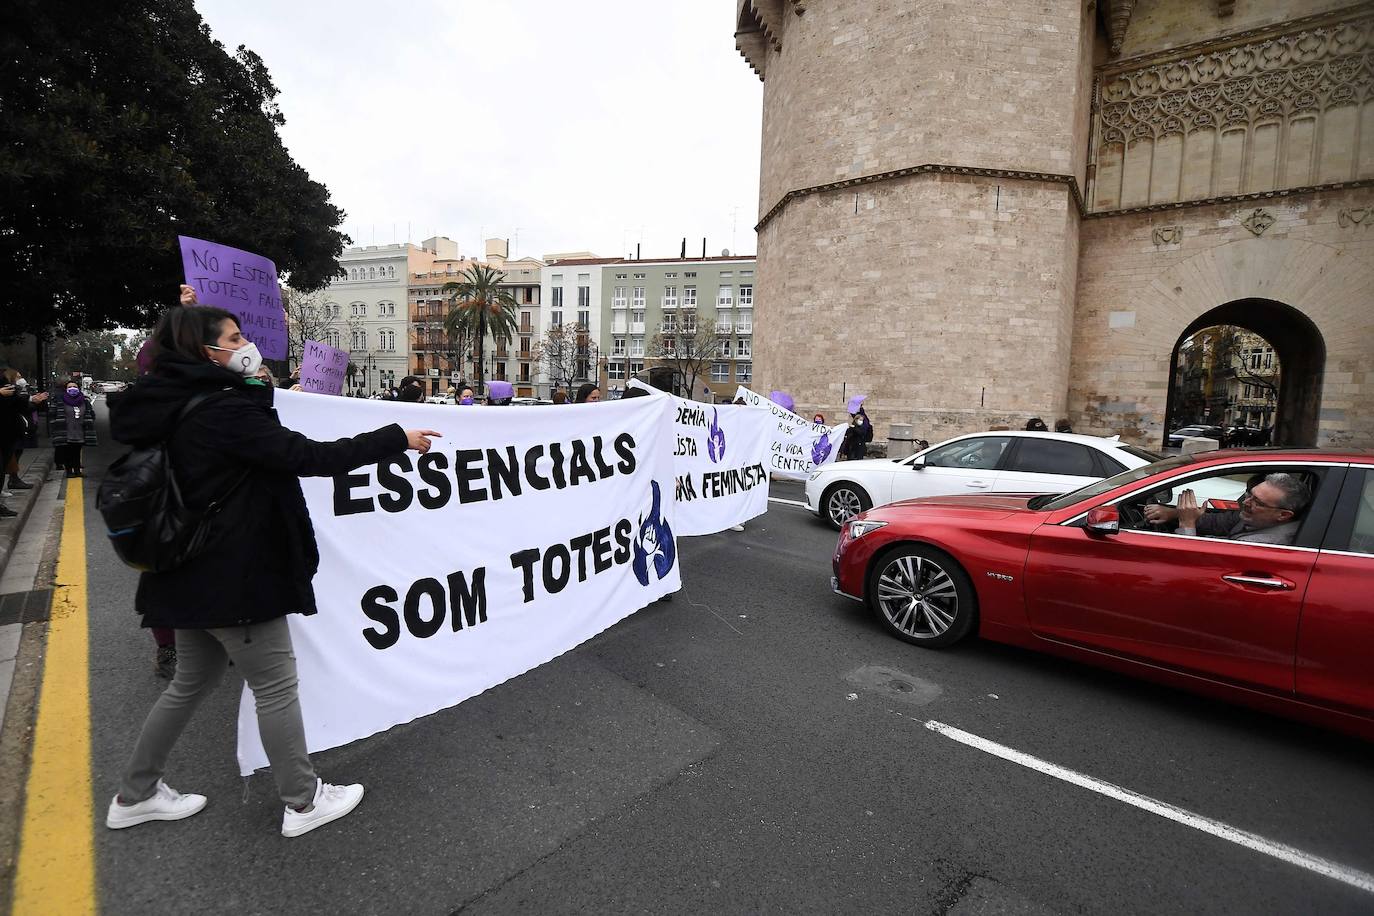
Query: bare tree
688	349
558	353
309	317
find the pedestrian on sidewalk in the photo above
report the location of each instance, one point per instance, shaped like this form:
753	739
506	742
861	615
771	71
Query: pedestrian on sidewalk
16	408
71	425
230	600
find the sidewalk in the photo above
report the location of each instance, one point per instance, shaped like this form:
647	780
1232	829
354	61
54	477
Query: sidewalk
22	542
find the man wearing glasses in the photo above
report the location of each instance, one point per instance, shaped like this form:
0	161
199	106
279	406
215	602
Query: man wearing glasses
1268	513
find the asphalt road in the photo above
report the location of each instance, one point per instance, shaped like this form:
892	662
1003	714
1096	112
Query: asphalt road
755	745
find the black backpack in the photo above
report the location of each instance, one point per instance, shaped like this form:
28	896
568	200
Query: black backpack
149	525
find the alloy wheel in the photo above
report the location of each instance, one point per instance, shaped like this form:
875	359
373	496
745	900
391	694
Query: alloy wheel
917	597
843	505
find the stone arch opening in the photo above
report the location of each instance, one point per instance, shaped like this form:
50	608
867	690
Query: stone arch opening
1301	358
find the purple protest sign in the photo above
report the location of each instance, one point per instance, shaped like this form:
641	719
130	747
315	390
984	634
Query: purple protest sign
242	282
856	403
323	368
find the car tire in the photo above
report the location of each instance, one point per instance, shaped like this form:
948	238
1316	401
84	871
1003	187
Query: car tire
849	500
922	596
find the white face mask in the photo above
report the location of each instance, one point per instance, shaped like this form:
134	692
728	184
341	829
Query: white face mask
245	361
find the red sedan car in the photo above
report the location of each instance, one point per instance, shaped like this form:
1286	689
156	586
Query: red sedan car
1271	605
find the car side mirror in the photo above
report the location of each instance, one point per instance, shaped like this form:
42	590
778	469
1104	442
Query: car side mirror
1103	520
919	464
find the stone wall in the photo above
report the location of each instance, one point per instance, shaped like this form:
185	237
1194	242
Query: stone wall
940	294
1162	25
1144	277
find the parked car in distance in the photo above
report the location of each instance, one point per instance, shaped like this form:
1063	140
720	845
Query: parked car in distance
108	387
528	402
1013	461
1284	627
440	399
1175	438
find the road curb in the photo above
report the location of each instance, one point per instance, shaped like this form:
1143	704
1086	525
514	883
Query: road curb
9	537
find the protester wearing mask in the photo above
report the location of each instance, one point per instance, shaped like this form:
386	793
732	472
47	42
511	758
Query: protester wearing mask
465	397
819	418
16	406
588	394
71	425
229	602
859	433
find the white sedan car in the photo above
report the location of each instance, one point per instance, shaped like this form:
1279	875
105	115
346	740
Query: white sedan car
992	462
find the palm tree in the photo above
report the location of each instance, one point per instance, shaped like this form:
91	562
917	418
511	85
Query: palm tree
479	305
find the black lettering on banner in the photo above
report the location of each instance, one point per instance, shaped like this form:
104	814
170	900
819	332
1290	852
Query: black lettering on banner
524	561
466	603
555	582
625	448
560	479
467	469
417	625
601	550
345	503
580	544
531	459
579	469
686	490
432	466
401	493
623	529
376	608
503	472
602	467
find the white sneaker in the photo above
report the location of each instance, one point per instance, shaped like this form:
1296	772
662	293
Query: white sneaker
166	804
736	527
330	804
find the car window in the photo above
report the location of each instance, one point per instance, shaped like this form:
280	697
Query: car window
1120	480
1362	536
1142	454
980	453
1219	493
1051	456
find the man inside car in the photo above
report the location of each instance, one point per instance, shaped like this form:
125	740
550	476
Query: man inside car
1268	513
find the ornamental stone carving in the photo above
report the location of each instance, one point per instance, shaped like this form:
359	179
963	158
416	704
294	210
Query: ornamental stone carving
1355	216
1259	221
1167	235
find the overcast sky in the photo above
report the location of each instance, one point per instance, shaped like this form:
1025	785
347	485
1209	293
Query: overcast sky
590	125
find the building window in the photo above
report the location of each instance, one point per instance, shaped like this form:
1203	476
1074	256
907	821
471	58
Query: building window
744	323
669	323
584	297
637	320
584	319
621	276
689	273
372	273
525	347
637	368
726	297
689	322
388	340
744	372
618	346
618	298
746	273
391	273
615	371
636	346
745	350
671	275
525	325
746	294
639	297
358	310
352	274
689	296
720	372
556	319
723	325
639	276
359	340
331	338
727	274
557	297
723	348
670	297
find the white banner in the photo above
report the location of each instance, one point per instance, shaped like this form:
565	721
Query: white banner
446	574
720	459
799	446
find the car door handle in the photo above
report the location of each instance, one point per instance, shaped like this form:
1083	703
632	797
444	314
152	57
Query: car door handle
977	485
1259	581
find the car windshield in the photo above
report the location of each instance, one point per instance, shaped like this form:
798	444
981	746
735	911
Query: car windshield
1111	483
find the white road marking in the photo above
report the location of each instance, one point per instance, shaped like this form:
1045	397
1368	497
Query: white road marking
787	502
1355	878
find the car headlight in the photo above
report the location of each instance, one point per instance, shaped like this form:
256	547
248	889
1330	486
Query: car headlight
859	529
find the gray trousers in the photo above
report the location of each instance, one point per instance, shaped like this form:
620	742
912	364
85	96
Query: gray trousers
262	653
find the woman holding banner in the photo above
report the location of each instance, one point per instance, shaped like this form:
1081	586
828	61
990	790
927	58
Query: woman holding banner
229	601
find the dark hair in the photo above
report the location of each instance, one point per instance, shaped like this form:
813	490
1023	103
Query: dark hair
560	396
584	391
634	393
183	332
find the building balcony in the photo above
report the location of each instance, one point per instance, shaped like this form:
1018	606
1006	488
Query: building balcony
669	302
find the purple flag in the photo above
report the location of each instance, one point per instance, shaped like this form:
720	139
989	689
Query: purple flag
242	282
323	368
782	399
499	389
857	402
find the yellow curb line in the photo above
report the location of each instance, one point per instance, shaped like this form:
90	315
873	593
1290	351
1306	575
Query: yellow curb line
56	873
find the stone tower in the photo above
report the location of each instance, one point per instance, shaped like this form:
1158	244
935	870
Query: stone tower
981	212
919	228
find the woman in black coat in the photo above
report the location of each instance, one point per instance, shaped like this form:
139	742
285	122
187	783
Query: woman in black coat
230	601
71	426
